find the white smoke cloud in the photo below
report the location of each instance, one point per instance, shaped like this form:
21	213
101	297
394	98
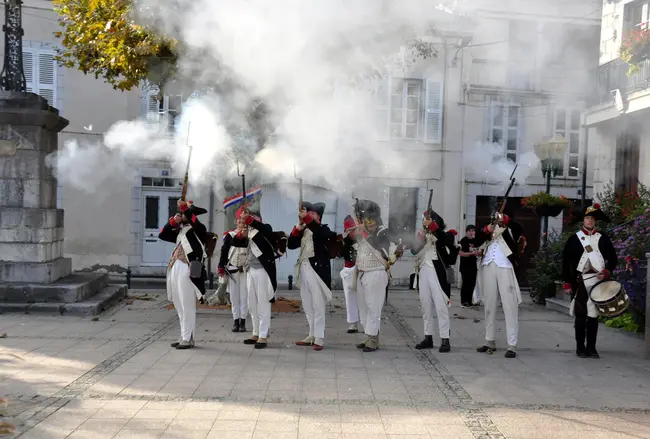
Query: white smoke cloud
486	161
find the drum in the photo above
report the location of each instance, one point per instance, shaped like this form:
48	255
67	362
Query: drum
610	298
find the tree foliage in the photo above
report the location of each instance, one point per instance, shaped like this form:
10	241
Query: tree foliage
100	37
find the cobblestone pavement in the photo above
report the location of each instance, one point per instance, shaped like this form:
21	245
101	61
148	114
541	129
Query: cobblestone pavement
117	377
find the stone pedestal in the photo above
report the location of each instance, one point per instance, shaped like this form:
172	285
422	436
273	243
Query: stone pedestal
32	266
31	227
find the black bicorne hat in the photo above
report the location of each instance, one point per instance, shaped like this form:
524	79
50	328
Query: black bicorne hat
595	212
188	207
319	208
435	217
370	210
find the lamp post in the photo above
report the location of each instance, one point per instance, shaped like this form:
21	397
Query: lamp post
12	77
551	154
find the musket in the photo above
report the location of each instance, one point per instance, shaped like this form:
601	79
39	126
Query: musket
429	208
243	186
498	215
187	168
300	200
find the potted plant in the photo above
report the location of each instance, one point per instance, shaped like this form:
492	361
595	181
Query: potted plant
544	204
636	49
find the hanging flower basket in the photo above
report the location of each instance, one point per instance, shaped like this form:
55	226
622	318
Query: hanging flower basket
551	211
635	49
544	204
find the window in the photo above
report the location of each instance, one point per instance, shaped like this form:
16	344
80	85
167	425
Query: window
40	73
402	209
151	212
161	182
638	15
504	129
567	125
409	109
164	111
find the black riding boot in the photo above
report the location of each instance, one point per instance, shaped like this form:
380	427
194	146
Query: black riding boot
427	343
445	346
242	325
580	337
235	327
592	333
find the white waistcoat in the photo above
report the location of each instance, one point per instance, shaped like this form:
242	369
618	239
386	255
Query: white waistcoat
237	255
429	252
594	258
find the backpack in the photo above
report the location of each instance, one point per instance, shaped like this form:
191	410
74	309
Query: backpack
211	244
278	241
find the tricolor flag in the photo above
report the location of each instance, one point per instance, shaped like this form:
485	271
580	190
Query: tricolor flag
238	198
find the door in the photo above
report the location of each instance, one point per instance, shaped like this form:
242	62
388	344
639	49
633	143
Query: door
158	207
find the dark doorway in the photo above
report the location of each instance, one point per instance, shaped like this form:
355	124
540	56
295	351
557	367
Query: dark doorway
530	222
628	151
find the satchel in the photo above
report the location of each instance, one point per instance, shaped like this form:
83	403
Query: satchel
196	269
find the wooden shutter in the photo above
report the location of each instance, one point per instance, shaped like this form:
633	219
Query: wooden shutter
47	77
433	111
382	112
28	67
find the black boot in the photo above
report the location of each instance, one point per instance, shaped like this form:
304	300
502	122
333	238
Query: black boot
235	327
427	343
580	337
592	333
445	346
242	325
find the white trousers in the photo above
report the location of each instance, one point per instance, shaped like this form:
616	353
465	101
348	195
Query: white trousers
238	295
432	296
476	295
371	291
497	282
351	303
184	298
260	291
313	300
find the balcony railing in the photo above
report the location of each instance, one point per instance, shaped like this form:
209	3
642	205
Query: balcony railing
613	75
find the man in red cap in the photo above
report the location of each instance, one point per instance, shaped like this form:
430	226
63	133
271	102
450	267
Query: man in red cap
234	253
313	269
349	273
261	281
186	273
589	257
431	264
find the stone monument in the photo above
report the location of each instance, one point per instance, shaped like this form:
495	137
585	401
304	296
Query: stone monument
34	275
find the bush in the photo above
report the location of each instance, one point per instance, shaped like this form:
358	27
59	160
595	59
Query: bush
625	322
623	206
547	263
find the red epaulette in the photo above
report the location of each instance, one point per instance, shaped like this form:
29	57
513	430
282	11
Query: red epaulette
227	232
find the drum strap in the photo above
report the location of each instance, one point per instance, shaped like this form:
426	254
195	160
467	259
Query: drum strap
594	256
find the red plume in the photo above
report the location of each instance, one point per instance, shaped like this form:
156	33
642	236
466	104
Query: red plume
596	206
453	232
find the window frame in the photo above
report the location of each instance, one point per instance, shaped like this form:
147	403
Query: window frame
505	127
566	132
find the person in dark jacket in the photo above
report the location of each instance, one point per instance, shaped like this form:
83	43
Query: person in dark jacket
261	280
500	257
232	260
313	269
432	253
589	256
468	267
186	274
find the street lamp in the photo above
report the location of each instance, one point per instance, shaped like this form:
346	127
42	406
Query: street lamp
551	154
12	77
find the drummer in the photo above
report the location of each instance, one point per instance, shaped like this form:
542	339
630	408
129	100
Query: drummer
589	257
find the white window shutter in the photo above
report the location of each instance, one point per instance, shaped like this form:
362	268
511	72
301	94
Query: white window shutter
433	111
152	109
644	16
47	77
382	111
28	68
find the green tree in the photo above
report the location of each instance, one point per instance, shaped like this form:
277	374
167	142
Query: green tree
100	37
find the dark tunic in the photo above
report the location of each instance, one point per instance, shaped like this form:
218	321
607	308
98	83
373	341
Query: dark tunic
230	241
197	235
321	235
348	252
263	240
440	264
573	251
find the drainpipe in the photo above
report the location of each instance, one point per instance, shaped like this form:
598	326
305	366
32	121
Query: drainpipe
211	227
443	131
462	222
583	190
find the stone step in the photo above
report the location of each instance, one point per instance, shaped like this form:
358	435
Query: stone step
106	298
558	305
71	289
